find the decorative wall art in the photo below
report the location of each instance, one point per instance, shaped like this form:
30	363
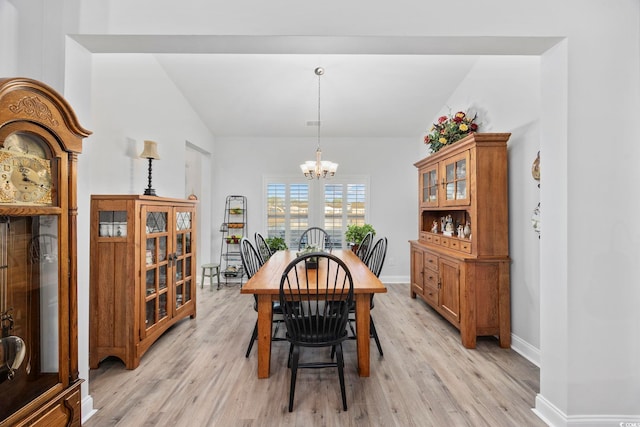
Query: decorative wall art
535	172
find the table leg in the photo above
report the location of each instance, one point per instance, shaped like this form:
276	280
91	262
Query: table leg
264	335
363	306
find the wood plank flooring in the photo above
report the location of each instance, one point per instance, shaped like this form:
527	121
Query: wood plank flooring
197	375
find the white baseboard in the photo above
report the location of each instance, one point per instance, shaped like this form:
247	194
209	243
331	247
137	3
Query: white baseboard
554	417
87	410
526	350
549	413
395	279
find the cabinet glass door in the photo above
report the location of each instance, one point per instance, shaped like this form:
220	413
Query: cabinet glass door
184	257
157	265
429	186
29	309
455	180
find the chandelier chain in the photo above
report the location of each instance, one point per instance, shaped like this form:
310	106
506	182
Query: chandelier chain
319	71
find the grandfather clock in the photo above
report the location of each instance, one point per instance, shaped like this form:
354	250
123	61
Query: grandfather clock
40	139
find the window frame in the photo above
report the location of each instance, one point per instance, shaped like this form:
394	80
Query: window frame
316	213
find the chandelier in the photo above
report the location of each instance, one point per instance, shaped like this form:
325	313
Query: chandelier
318	168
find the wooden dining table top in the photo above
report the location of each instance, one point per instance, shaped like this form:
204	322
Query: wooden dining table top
267	278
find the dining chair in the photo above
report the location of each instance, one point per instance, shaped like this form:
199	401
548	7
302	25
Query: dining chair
251	263
365	245
306	285
262	247
375	261
314	237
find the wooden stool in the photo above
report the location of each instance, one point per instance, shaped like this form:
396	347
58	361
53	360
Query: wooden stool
209	270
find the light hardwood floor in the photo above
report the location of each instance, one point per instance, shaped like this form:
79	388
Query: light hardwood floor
197	375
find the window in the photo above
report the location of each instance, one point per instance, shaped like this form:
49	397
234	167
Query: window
292	206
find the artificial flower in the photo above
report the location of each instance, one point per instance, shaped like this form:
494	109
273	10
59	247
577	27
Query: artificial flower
450	129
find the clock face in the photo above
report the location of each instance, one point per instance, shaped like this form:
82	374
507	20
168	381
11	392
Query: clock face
24	179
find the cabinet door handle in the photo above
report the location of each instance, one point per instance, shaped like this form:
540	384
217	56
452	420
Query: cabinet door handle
439	282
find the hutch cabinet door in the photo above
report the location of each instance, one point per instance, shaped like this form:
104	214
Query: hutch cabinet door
417	271
450	289
158	268
455	180
184	257
429	186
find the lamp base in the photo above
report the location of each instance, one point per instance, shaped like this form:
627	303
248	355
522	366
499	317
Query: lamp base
150	192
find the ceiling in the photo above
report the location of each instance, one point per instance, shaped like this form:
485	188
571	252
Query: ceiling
266	86
277	95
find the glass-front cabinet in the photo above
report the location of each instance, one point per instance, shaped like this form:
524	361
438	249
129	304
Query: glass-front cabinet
157	287
40	140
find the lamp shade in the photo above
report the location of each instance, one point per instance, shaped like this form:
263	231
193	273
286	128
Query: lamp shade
150	150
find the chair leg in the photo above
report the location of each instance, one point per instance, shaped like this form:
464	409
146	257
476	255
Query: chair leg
254	336
290	355
353	331
341	375
275	331
372	326
295	355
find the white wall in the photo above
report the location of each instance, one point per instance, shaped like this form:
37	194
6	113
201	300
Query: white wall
78	64
198	182
8	39
241	164
141	103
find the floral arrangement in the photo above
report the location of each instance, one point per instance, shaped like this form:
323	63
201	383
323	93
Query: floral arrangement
450	129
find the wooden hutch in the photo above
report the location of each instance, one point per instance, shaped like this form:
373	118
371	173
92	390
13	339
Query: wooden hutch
460	262
40	139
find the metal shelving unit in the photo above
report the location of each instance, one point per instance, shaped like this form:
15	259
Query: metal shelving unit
233	229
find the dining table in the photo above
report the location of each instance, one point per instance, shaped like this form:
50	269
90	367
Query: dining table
265	285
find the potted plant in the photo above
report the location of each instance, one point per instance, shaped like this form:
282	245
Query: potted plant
276	244
234	238
355	233
311	262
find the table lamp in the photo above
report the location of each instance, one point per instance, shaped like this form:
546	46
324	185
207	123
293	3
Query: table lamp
150	152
